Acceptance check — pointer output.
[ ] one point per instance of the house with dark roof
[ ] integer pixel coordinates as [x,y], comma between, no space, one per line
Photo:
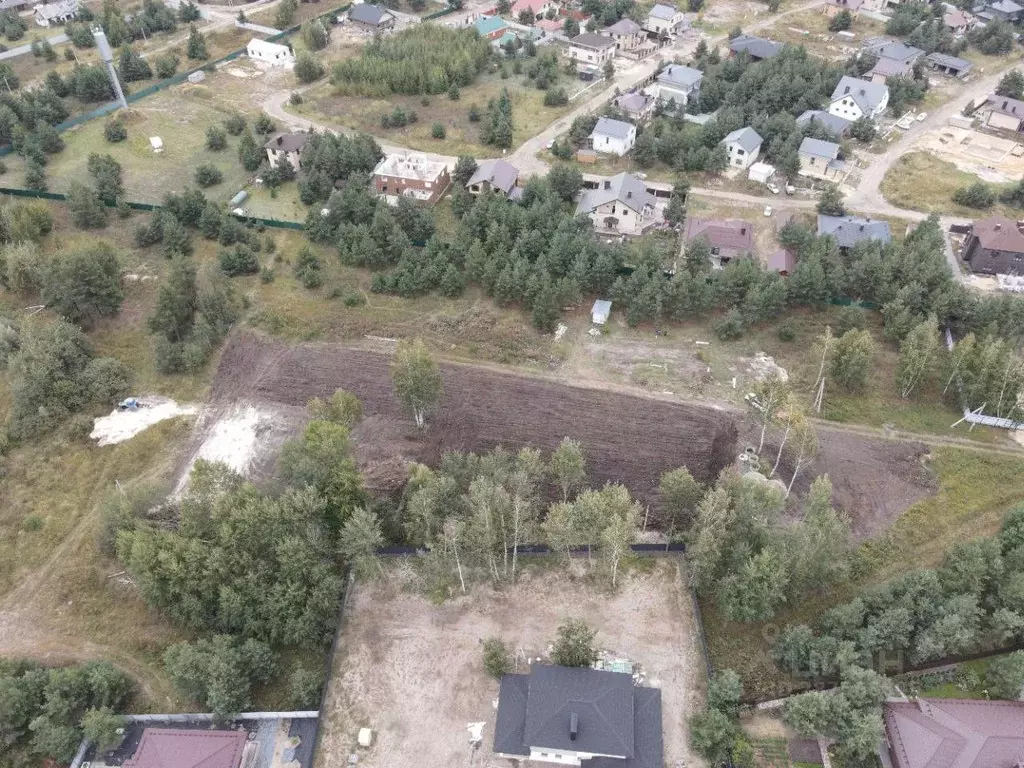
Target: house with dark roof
[839,126]
[850,230]
[495,176]
[728,239]
[954,733]
[743,146]
[665,20]
[1004,10]
[579,716]
[173,748]
[590,48]
[677,83]
[636,105]
[626,33]
[886,68]
[854,98]
[620,204]
[1005,113]
[756,47]
[52,14]
[286,148]
[957,21]
[945,64]
[995,246]
[375,18]
[884,48]
[613,137]
[782,261]
[819,159]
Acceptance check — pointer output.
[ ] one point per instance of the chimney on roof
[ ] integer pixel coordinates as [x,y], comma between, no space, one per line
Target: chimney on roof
[280,140]
[861,227]
[629,195]
[743,230]
[574,726]
[847,90]
[607,184]
[997,226]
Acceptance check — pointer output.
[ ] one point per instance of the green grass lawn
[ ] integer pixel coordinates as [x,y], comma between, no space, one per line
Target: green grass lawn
[975,491]
[921,181]
[529,115]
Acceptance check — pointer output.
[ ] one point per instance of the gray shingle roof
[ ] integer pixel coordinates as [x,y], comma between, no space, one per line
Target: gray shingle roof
[624,188]
[592,40]
[834,123]
[899,51]
[511,720]
[887,67]
[747,138]
[633,102]
[56,10]
[850,230]
[617,129]
[648,746]
[945,60]
[366,13]
[497,173]
[678,74]
[603,702]
[867,95]
[624,26]
[1007,106]
[663,11]
[819,148]
[1006,6]
[757,47]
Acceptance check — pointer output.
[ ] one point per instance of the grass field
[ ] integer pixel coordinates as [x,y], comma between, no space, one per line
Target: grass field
[975,491]
[529,115]
[810,29]
[921,181]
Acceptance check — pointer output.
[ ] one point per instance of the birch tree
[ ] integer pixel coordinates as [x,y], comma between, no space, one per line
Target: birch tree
[452,532]
[918,353]
[568,466]
[962,351]
[805,448]
[770,395]
[488,526]
[824,344]
[678,495]
[616,539]
[417,379]
[714,522]
[360,538]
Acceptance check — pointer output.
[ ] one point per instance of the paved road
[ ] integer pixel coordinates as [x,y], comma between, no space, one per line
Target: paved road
[21,50]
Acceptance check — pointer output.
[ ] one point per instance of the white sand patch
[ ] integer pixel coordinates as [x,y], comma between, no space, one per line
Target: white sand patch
[119,426]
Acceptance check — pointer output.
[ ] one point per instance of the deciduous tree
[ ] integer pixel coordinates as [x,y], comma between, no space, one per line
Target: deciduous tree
[417,379]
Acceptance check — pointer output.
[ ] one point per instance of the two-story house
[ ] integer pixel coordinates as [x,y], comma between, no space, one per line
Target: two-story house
[995,247]
[677,84]
[850,230]
[613,137]
[743,147]
[411,175]
[820,160]
[591,48]
[626,33]
[621,205]
[665,20]
[636,105]
[286,148]
[854,98]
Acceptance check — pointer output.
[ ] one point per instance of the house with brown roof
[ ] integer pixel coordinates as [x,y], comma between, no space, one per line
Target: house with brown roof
[955,733]
[832,8]
[174,748]
[411,175]
[957,21]
[728,239]
[995,247]
[286,148]
[1005,113]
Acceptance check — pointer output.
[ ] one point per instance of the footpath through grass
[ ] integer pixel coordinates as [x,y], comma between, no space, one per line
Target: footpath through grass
[975,491]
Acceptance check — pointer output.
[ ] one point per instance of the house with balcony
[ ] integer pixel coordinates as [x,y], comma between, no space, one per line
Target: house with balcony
[676,85]
[620,204]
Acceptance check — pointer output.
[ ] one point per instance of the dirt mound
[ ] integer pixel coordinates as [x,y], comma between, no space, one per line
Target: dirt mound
[628,439]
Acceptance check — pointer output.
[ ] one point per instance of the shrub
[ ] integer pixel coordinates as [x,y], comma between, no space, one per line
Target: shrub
[785,331]
[216,138]
[235,125]
[496,658]
[978,195]
[295,99]
[304,688]
[207,175]
[556,97]
[574,644]
[166,65]
[239,260]
[730,327]
[114,131]
[438,131]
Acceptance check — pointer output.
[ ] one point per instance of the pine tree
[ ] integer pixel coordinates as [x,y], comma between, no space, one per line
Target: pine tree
[196,48]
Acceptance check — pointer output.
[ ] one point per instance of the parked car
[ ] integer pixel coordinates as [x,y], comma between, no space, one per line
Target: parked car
[767,210]
[790,189]
[772,188]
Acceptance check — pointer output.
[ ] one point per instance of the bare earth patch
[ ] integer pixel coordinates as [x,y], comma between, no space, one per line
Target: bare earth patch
[413,671]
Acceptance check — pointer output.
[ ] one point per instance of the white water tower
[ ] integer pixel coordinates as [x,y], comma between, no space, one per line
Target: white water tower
[108,59]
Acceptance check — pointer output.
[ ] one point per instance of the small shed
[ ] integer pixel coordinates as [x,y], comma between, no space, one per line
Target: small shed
[761,172]
[238,199]
[196,77]
[156,143]
[600,312]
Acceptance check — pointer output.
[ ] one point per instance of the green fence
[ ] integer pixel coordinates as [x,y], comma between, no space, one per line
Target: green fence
[59,197]
[439,14]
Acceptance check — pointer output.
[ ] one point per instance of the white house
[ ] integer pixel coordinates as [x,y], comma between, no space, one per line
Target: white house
[49,14]
[665,20]
[271,54]
[743,146]
[854,98]
[613,137]
[620,204]
[591,48]
[677,83]
[286,148]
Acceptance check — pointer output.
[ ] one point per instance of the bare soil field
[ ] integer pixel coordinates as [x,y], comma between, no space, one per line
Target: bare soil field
[628,439]
[413,671]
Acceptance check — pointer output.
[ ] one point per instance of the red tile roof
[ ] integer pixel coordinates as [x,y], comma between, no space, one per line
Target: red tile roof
[174,748]
[955,733]
[999,233]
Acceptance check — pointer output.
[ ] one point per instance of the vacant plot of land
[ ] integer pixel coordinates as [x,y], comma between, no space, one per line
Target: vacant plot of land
[810,29]
[413,671]
[921,181]
[529,115]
